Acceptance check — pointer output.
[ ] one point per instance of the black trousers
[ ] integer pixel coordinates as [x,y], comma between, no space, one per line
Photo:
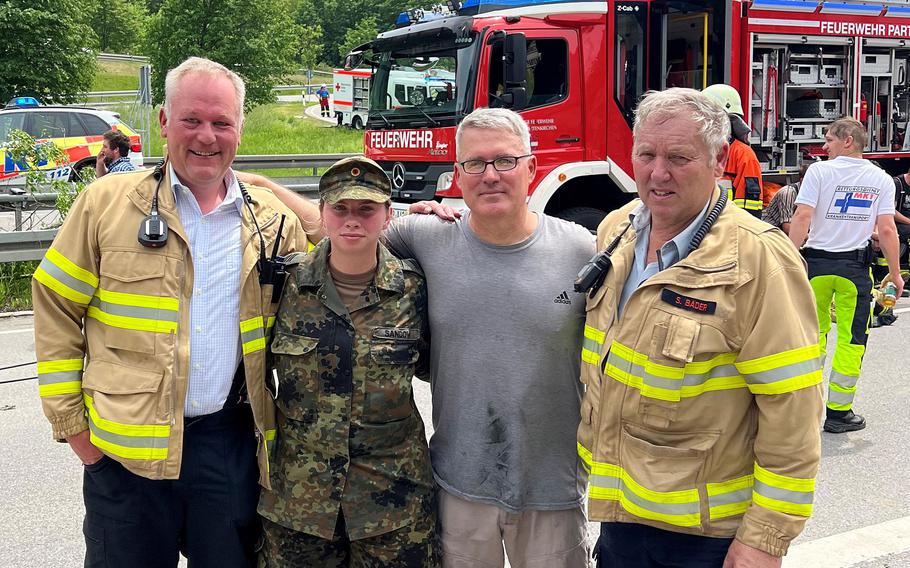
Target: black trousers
[208,514]
[627,545]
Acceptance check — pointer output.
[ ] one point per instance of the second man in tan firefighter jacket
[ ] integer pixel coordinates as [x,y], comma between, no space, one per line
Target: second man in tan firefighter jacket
[700,422]
[742,174]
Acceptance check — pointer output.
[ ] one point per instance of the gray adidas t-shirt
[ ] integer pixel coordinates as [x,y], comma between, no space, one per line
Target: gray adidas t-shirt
[506,330]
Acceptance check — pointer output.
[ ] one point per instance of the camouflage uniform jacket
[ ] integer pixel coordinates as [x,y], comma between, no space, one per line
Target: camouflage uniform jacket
[349,435]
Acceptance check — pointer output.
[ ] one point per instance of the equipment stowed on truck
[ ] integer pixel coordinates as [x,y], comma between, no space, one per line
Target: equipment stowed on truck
[576,70]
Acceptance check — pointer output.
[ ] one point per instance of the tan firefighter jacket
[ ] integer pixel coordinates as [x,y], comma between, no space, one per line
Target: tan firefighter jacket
[703,401]
[112,323]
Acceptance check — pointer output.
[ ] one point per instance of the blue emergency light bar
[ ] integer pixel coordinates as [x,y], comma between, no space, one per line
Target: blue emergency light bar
[23,102]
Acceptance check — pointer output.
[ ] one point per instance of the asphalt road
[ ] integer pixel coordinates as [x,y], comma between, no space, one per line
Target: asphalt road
[861,519]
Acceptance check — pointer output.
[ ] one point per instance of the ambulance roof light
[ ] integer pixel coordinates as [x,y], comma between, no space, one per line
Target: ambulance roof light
[23,102]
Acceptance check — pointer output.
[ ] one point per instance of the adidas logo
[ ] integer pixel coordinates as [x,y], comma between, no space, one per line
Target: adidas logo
[563,298]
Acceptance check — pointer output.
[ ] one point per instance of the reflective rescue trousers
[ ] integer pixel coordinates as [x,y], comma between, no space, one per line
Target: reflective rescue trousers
[112,321]
[703,401]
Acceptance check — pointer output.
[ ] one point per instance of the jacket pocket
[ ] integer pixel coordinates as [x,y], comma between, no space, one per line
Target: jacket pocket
[130,302]
[296,362]
[664,471]
[673,345]
[129,414]
[388,396]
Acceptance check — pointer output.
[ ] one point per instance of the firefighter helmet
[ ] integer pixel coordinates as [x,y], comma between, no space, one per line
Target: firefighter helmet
[727,96]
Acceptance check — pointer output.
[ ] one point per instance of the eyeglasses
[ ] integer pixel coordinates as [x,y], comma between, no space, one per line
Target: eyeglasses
[500,164]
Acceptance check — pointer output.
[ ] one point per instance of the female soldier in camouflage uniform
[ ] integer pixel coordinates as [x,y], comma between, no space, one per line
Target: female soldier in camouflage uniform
[350,471]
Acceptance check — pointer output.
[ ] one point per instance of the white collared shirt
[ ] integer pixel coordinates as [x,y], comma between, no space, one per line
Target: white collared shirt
[216,253]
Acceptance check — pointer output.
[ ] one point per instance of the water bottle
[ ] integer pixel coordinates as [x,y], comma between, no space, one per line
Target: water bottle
[889,298]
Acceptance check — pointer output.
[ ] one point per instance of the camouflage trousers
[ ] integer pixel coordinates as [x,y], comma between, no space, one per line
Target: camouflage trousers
[413,546]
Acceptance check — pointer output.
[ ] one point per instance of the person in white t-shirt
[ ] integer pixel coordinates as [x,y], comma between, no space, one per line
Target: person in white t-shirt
[840,203]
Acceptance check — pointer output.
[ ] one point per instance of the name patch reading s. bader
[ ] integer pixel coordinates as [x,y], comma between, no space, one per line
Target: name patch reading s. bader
[396,333]
[687,303]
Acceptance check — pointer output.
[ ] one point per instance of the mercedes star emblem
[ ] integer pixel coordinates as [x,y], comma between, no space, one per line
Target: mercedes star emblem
[398,175]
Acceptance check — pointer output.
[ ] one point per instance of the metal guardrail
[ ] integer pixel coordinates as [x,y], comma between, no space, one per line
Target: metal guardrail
[122,57]
[31,245]
[25,245]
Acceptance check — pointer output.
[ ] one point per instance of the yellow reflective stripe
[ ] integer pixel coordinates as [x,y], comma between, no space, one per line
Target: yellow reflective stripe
[71,268]
[79,288]
[783,481]
[781,506]
[140,312]
[138,300]
[131,441]
[270,323]
[55,389]
[776,360]
[783,372]
[252,335]
[592,345]
[611,482]
[753,204]
[595,334]
[729,498]
[59,365]
[126,322]
[792,495]
[663,382]
[61,376]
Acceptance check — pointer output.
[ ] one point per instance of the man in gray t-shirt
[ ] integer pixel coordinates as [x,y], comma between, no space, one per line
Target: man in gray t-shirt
[506,331]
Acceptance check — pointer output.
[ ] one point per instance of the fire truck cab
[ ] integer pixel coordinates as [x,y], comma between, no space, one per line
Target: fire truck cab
[576,70]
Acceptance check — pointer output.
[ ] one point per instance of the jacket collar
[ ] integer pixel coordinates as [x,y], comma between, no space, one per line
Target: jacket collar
[389,274]
[714,262]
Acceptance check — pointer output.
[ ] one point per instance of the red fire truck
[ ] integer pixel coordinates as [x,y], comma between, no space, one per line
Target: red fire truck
[575,71]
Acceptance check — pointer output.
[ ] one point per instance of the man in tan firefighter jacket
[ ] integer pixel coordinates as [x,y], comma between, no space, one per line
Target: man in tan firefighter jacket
[700,421]
[742,174]
[152,309]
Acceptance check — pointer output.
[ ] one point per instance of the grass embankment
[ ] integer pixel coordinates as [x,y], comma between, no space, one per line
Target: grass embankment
[15,285]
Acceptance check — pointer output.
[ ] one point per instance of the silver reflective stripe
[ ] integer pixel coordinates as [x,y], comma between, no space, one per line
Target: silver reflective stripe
[688,380]
[64,278]
[738,496]
[844,381]
[252,335]
[135,312]
[128,441]
[783,373]
[838,397]
[610,482]
[59,377]
[799,497]
[591,345]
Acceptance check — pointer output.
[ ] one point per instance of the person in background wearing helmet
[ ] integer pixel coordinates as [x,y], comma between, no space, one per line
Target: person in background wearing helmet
[323,94]
[742,174]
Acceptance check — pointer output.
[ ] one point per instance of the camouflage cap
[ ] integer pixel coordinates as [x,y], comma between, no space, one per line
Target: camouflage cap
[355,178]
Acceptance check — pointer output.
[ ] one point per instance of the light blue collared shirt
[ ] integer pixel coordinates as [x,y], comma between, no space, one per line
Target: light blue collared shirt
[669,254]
[216,253]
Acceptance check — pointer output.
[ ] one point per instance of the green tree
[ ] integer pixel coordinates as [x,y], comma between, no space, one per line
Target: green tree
[309,45]
[336,17]
[29,155]
[365,30]
[255,38]
[47,50]
[118,24]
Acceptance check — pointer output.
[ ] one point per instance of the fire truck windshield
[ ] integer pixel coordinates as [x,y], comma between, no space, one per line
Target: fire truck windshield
[421,83]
